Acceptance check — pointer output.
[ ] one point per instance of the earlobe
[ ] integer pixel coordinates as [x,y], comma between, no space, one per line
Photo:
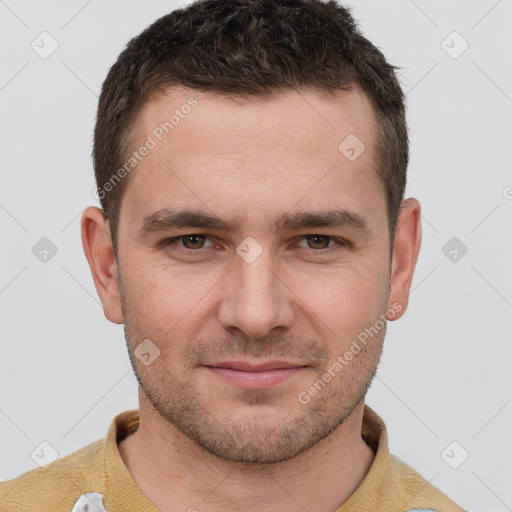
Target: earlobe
[405,254]
[97,244]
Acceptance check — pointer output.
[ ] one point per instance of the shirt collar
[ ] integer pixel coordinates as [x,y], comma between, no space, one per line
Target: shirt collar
[367,496]
[124,493]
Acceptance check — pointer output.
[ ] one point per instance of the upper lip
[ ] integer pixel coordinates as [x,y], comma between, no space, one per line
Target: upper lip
[255,367]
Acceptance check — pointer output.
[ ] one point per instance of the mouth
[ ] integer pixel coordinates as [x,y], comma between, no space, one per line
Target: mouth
[249,375]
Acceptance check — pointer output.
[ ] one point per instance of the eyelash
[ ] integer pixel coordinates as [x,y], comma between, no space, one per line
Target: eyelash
[340,242]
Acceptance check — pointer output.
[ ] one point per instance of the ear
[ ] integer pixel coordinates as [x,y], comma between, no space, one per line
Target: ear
[405,254]
[97,244]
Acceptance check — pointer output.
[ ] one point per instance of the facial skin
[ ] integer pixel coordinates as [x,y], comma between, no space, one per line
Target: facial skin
[303,300]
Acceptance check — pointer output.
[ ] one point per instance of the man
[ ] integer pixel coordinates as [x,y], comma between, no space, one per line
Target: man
[250,159]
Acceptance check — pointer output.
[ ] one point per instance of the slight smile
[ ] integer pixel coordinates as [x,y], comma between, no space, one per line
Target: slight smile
[249,375]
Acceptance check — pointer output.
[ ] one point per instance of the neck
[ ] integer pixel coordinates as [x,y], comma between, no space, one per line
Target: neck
[177,474]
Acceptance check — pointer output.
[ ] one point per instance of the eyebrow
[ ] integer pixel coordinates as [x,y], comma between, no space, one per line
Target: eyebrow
[168,219]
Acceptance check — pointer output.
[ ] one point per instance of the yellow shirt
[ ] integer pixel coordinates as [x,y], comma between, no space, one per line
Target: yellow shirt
[389,486]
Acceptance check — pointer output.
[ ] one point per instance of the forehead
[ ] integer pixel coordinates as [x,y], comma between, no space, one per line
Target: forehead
[208,147]
[310,112]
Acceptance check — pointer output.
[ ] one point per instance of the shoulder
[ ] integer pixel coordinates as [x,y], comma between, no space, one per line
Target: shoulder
[422,496]
[56,484]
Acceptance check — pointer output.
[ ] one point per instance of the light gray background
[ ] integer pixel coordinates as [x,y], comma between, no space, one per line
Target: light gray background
[445,373]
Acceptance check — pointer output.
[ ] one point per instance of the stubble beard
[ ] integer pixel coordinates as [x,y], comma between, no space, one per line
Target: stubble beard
[259,437]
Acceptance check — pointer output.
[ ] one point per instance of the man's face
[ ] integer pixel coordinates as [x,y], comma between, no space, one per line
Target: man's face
[219,304]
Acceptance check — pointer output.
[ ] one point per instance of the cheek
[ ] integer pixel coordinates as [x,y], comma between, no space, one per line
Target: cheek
[343,304]
[165,302]
[163,289]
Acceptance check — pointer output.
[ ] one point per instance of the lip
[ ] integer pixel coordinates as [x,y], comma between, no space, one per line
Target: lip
[249,375]
[255,367]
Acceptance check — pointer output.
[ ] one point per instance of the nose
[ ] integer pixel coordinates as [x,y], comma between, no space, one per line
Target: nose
[256,297]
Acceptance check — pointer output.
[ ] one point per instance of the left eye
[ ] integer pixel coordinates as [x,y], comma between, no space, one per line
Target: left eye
[194,242]
[314,239]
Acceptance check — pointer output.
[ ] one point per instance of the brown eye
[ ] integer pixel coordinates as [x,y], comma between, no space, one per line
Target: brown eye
[318,241]
[186,243]
[193,241]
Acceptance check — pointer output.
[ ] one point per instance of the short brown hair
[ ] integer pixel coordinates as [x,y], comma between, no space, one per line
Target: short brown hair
[248,48]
